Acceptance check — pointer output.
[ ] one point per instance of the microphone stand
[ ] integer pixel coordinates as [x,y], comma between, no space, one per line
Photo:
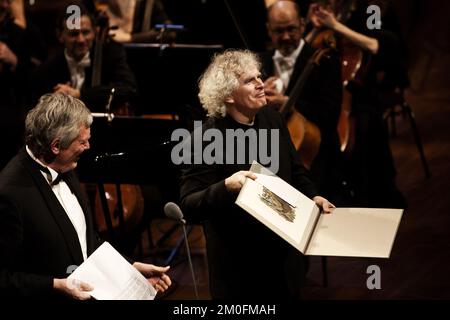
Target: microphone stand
[183,224]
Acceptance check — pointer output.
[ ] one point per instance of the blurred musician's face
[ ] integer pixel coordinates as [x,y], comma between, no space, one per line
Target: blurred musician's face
[78,42]
[4,8]
[285,30]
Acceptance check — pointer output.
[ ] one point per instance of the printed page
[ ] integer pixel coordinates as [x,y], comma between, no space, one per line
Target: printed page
[113,277]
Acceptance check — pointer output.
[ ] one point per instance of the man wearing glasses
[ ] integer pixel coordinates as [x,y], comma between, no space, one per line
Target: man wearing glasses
[321,97]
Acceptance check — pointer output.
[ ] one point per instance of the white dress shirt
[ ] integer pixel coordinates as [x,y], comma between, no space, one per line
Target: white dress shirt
[68,201]
[76,69]
[284,65]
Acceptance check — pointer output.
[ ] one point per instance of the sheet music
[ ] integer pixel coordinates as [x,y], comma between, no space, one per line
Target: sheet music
[113,277]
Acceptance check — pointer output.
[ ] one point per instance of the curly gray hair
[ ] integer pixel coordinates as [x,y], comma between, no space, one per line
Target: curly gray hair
[56,116]
[221,78]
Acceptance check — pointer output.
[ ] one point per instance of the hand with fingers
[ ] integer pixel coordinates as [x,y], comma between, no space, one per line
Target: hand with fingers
[323,203]
[7,56]
[273,87]
[75,289]
[322,16]
[235,182]
[155,275]
[67,89]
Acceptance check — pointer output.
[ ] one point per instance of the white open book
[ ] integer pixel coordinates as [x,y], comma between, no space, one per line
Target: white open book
[112,277]
[351,232]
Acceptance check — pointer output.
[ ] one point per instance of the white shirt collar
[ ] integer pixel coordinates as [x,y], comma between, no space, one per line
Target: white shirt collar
[284,65]
[84,62]
[293,56]
[53,172]
[76,69]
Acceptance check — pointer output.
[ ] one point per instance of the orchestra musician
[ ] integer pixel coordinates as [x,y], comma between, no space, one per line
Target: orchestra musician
[72,69]
[371,165]
[320,99]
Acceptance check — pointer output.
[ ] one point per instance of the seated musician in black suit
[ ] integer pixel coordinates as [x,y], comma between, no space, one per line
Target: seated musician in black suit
[319,101]
[45,221]
[72,69]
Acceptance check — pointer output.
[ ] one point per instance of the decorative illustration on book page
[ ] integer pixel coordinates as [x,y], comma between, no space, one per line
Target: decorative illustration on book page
[276,203]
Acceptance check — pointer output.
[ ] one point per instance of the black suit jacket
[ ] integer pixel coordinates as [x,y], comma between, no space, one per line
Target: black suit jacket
[115,74]
[37,240]
[246,259]
[321,98]
[319,102]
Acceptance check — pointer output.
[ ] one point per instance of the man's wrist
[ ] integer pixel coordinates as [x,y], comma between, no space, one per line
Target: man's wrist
[57,283]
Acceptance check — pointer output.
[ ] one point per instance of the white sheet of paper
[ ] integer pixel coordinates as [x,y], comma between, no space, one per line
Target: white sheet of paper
[355,232]
[113,277]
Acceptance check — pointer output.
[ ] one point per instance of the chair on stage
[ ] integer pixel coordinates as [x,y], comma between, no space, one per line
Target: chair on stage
[398,106]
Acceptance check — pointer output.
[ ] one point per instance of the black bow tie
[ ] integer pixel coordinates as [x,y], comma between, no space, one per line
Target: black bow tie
[61,176]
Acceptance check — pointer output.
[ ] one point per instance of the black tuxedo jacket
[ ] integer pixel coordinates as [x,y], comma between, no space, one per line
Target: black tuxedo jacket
[321,98]
[115,74]
[37,240]
[246,260]
[319,102]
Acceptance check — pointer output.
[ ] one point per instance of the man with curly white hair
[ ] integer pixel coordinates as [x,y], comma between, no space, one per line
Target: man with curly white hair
[232,93]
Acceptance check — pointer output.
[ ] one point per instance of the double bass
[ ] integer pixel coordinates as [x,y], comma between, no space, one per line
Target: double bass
[116,205]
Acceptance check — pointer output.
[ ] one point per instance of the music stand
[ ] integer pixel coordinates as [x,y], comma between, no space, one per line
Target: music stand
[129,150]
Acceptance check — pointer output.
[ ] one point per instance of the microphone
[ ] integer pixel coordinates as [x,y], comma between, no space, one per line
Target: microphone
[173,211]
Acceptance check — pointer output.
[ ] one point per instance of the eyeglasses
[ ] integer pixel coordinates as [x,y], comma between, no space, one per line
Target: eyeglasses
[290,30]
[76,32]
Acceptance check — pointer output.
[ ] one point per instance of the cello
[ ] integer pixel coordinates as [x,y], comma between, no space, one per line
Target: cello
[305,135]
[116,205]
